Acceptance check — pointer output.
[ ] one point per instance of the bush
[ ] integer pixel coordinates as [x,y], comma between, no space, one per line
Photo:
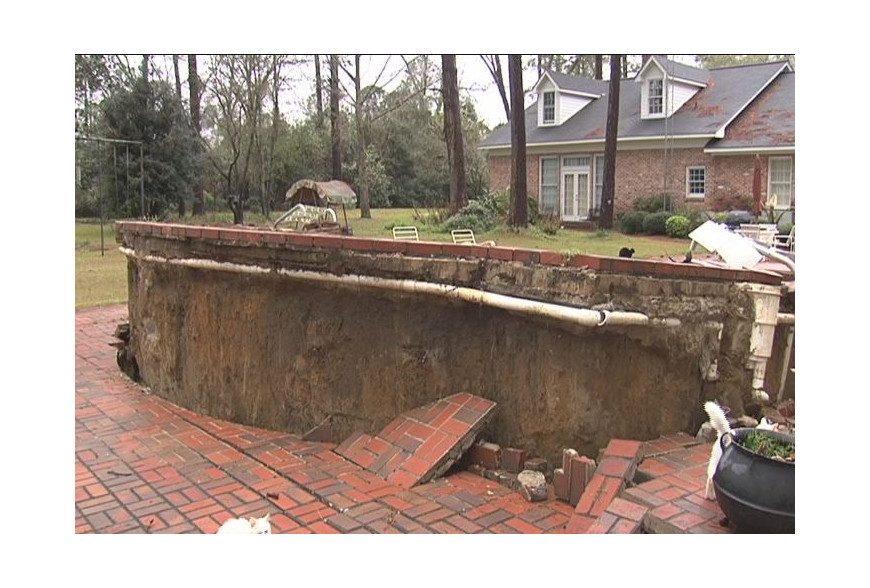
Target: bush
[654,223]
[549,224]
[656,203]
[677,226]
[475,216]
[631,223]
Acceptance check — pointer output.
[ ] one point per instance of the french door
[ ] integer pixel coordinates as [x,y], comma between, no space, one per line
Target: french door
[575,195]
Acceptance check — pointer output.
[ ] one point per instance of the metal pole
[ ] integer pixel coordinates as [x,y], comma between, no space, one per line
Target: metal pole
[127,183]
[115,169]
[102,238]
[142,180]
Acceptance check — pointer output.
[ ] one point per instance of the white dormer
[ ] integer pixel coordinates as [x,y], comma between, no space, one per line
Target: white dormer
[665,87]
[557,104]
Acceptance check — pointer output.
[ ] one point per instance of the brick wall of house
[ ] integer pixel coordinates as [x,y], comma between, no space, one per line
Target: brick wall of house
[500,174]
[639,173]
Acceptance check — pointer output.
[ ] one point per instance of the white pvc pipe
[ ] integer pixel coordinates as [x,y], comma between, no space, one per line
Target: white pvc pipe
[784,318]
[580,316]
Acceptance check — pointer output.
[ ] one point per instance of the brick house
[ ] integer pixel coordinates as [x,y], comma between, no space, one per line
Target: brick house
[695,134]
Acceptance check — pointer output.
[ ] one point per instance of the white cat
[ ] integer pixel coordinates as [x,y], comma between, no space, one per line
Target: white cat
[720,423]
[250,526]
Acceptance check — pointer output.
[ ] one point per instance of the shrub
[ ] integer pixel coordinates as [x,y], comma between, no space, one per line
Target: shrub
[475,216]
[656,203]
[549,224]
[654,223]
[677,226]
[631,222]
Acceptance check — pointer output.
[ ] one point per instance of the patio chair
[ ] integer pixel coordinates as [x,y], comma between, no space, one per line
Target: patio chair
[764,234]
[785,242]
[405,234]
[466,237]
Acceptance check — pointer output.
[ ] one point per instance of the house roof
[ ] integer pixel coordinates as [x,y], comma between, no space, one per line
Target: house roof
[681,70]
[577,84]
[729,91]
[767,123]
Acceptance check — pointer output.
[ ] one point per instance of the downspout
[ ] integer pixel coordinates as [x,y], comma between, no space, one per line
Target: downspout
[569,314]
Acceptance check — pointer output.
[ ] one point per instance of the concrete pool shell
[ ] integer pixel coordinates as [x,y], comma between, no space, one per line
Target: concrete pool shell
[225,321]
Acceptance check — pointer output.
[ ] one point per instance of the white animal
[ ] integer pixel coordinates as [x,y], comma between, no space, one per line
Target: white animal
[720,423]
[766,425]
[250,526]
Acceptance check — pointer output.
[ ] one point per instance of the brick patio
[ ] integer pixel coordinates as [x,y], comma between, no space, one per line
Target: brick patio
[144,465]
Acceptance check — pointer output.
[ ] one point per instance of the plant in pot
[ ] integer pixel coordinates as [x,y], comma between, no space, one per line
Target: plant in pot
[754,480]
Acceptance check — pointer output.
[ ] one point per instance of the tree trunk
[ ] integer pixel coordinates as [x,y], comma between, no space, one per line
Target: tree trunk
[608,188]
[196,126]
[453,132]
[599,67]
[318,86]
[334,117]
[363,179]
[182,205]
[519,194]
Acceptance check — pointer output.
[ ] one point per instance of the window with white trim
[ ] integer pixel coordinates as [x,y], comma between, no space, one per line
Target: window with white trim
[779,182]
[550,185]
[549,107]
[696,181]
[599,181]
[656,96]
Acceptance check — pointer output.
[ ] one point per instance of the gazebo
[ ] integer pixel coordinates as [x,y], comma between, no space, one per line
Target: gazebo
[312,205]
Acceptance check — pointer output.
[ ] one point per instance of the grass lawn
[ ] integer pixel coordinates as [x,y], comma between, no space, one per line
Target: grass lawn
[102,280]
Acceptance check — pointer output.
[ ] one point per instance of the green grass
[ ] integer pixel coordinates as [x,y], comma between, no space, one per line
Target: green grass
[102,280]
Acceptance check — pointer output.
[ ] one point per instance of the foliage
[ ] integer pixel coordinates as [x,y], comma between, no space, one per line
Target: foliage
[677,226]
[711,61]
[763,444]
[654,223]
[148,112]
[549,224]
[656,203]
[475,215]
[631,222]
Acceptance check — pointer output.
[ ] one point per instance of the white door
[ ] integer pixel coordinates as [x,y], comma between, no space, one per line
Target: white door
[575,195]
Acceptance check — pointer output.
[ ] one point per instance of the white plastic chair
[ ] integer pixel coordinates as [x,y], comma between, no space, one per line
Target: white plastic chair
[405,234]
[466,237]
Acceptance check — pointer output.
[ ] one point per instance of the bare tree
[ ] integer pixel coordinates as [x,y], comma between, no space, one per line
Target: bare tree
[453,132]
[493,64]
[361,97]
[612,126]
[240,84]
[519,194]
[599,67]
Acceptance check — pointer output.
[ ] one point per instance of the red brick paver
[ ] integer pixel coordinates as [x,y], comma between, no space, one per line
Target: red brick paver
[145,465]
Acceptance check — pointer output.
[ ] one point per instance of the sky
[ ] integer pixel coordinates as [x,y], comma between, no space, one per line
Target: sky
[474,80]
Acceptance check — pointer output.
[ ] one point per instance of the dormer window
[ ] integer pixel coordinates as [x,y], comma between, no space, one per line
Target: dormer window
[656,102]
[549,108]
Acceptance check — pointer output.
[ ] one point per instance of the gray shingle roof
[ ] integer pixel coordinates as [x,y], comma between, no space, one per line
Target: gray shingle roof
[768,122]
[728,92]
[683,71]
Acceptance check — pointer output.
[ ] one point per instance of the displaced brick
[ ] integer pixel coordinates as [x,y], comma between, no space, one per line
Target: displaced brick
[513,460]
[485,454]
[561,485]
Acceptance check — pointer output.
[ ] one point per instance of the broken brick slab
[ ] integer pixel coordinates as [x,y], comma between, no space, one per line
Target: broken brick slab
[423,443]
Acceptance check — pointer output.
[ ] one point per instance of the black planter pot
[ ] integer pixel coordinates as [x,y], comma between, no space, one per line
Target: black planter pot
[756,493]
